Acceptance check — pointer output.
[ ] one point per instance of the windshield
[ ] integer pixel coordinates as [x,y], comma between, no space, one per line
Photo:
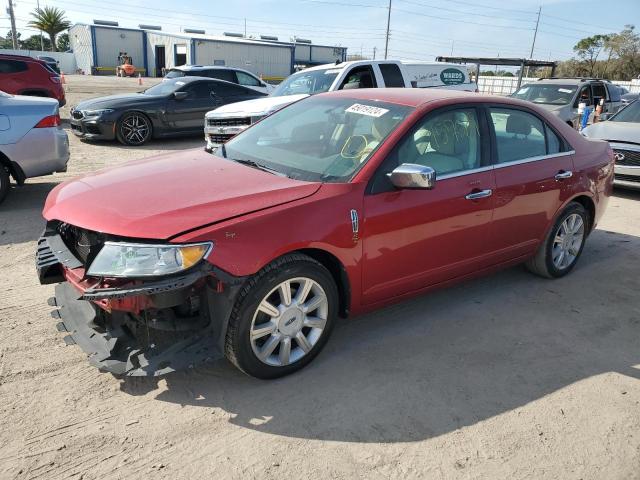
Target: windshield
[307,82]
[318,139]
[164,88]
[174,74]
[631,113]
[546,93]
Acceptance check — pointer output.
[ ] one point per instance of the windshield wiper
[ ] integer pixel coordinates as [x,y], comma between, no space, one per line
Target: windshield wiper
[259,166]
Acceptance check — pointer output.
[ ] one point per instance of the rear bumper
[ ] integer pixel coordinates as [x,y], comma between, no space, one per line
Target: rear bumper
[41,151]
[93,129]
[138,328]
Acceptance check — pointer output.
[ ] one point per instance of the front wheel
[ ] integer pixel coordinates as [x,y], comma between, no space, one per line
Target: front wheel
[282,318]
[559,252]
[133,129]
[5,184]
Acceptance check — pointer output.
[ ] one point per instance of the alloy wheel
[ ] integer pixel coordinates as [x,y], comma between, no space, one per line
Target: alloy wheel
[135,129]
[289,321]
[568,241]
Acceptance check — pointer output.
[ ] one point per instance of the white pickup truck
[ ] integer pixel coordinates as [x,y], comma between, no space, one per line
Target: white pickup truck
[223,123]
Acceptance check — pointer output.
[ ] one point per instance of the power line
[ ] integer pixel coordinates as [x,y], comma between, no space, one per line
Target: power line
[421,4]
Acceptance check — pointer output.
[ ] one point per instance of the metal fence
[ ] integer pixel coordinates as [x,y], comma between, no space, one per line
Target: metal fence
[507,85]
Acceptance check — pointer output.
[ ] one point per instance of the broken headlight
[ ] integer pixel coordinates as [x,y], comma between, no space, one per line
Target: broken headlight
[121,259]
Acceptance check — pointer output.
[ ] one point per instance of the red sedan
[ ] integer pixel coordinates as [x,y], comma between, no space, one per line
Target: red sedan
[338,204]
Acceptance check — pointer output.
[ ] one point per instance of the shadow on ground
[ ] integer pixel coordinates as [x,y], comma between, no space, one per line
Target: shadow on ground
[445,360]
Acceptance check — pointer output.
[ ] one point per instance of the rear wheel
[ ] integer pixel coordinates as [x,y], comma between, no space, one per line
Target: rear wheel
[560,251]
[282,318]
[5,184]
[133,129]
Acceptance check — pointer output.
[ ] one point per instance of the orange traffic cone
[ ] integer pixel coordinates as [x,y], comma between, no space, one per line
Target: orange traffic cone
[62,79]
[139,79]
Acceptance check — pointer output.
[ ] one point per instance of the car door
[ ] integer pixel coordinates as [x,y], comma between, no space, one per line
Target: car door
[14,75]
[532,165]
[187,114]
[416,238]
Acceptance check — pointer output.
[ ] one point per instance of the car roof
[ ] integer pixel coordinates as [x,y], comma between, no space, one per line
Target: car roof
[415,97]
[411,97]
[197,79]
[23,58]
[203,67]
[566,81]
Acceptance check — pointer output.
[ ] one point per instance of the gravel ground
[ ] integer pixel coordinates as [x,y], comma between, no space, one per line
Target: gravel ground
[510,376]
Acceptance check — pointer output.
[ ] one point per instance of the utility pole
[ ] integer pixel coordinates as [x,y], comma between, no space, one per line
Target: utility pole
[245,28]
[374,53]
[41,39]
[535,34]
[14,32]
[452,42]
[386,42]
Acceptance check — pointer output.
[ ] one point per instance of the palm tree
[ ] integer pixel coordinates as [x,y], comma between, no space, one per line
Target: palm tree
[51,21]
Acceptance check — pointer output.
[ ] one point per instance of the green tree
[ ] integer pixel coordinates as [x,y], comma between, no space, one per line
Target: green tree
[7,42]
[63,42]
[626,47]
[33,43]
[51,21]
[588,49]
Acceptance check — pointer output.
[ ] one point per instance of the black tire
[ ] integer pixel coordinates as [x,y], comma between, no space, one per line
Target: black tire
[543,262]
[134,129]
[5,183]
[238,345]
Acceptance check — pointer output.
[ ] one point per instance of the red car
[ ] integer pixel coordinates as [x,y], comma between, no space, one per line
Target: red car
[336,205]
[22,75]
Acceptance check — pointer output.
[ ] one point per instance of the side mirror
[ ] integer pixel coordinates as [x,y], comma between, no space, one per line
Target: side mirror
[410,175]
[180,95]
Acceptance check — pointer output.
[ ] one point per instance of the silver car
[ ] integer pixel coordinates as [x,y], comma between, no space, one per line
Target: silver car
[622,130]
[32,142]
[562,96]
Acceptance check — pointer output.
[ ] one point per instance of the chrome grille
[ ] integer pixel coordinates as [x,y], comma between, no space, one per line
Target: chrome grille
[220,138]
[629,157]
[228,122]
[627,178]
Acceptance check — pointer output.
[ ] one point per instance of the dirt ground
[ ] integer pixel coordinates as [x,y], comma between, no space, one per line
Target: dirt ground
[507,377]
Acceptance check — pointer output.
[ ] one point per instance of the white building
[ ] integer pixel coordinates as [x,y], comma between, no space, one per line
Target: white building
[97,47]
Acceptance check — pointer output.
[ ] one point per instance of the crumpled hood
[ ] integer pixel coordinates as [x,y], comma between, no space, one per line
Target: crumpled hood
[614,131]
[160,197]
[259,106]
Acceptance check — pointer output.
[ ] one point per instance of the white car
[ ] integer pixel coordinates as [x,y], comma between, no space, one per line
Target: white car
[224,122]
[32,142]
[230,74]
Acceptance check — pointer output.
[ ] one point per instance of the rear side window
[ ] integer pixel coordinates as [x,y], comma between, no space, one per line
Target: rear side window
[175,74]
[226,75]
[13,66]
[599,92]
[391,74]
[519,134]
[614,93]
[226,90]
[199,89]
[247,80]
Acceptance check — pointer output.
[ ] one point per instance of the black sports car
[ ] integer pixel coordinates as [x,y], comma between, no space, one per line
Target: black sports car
[172,108]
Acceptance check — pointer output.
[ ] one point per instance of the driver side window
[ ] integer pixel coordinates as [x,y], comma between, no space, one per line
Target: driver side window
[359,77]
[449,142]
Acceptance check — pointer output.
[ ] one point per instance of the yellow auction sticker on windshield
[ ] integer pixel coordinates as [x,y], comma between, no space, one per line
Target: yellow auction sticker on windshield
[366,110]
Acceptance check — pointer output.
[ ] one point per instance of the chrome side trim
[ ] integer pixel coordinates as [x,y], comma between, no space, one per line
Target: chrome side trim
[504,165]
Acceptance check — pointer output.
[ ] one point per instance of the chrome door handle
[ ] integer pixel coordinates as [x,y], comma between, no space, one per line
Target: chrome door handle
[562,175]
[479,195]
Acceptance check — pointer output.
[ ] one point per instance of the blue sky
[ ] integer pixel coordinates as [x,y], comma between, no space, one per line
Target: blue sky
[420,29]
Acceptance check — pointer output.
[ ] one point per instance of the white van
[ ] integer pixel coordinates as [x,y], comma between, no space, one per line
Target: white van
[223,123]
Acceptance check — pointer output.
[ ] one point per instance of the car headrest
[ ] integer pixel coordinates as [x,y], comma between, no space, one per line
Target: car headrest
[518,124]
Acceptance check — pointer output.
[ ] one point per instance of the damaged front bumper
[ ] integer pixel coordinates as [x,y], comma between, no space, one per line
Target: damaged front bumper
[138,328]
